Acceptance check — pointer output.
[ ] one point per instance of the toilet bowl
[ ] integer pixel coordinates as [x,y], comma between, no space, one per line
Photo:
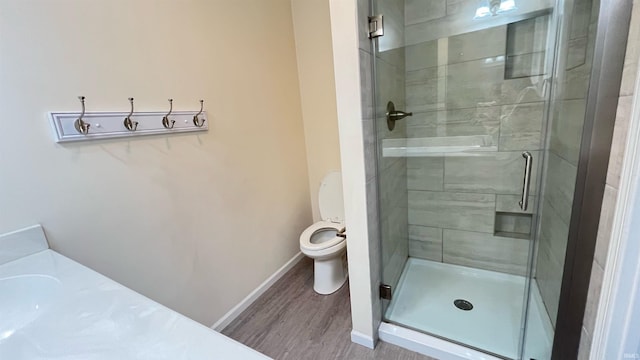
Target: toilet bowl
[322,241]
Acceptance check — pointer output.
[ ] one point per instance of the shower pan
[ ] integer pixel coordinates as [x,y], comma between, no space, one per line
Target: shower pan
[479,108]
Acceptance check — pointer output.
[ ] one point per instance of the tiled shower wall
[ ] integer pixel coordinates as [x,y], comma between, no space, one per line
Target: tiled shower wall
[485,86]
[567,119]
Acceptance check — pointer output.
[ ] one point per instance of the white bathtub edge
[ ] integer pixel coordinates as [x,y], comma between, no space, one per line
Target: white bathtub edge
[428,345]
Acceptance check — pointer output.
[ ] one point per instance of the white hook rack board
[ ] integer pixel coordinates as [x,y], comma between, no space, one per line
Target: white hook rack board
[108,125]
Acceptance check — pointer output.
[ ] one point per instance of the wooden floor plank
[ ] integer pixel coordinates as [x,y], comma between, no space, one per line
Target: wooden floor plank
[291,321]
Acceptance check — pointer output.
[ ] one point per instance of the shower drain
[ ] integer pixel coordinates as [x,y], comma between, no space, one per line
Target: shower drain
[463,304]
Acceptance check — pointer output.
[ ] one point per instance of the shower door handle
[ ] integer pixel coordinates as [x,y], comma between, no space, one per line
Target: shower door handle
[528,161]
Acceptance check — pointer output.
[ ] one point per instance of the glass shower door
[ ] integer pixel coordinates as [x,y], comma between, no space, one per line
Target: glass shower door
[461,117]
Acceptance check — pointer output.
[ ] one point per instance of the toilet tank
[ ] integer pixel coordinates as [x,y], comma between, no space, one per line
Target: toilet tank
[330,199]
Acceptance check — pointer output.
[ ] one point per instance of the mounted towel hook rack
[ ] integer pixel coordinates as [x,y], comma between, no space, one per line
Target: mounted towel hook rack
[165,119]
[197,121]
[81,126]
[128,123]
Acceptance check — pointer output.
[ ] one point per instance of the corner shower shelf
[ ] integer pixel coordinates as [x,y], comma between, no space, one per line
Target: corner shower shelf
[437,146]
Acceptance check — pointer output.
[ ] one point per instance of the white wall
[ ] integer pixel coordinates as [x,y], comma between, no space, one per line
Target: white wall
[347,76]
[193,221]
[312,27]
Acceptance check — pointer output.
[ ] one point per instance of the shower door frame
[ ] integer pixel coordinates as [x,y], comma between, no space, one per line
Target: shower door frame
[602,101]
[550,64]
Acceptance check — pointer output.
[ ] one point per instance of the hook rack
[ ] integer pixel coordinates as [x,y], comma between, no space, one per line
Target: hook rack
[165,119]
[196,121]
[81,126]
[128,123]
[74,126]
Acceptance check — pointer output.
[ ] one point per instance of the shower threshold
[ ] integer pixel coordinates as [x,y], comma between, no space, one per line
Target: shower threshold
[424,301]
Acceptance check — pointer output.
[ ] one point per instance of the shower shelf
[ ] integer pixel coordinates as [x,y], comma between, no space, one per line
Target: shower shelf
[437,146]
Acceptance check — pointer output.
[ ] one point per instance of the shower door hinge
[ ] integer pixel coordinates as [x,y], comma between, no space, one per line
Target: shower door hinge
[376,27]
[385,291]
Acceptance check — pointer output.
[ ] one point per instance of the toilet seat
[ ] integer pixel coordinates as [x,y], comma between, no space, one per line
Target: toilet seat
[324,248]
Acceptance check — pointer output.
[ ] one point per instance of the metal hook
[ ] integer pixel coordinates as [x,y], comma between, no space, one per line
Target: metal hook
[81,126]
[128,123]
[165,119]
[196,121]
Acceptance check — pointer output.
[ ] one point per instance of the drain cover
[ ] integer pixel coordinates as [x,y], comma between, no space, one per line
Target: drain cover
[463,304]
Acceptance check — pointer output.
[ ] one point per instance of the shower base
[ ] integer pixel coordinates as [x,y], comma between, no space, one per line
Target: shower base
[424,301]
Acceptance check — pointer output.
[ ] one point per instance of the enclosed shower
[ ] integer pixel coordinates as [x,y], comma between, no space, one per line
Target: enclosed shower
[479,108]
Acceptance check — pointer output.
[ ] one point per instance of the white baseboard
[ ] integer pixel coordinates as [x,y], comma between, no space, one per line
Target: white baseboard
[362,339]
[227,318]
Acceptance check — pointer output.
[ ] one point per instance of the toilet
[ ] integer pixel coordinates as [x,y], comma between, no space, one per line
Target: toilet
[321,241]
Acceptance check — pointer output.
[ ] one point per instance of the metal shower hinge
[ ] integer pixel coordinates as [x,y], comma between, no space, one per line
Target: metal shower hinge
[385,291]
[376,26]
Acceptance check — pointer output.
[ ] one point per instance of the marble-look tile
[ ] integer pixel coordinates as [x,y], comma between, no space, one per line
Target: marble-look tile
[554,232]
[393,232]
[474,83]
[391,273]
[425,242]
[487,43]
[480,120]
[575,81]
[580,18]
[488,172]
[550,258]
[584,348]
[619,141]
[527,36]
[513,223]
[462,211]
[593,297]
[364,43]
[510,203]
[521,126]
[566,129]
[422,88]
[421,56]
[370,154]
[395,57]
[459,6]
[629,73]
[606,225]
[632,55]
[524,65]
[485,251]
[425,173]
[522,90]
[416,11]
[393,184]
[394,27]
[549,278]
[366,84]
[389,85]
[577,52]
[560,185]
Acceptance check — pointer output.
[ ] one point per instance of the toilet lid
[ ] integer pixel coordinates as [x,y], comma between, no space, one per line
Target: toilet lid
[330,199]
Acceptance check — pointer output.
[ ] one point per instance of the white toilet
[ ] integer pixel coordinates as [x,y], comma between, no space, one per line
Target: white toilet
[322,242]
